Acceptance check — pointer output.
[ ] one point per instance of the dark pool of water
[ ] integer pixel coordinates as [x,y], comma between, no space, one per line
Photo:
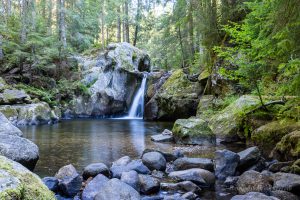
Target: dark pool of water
[85,141]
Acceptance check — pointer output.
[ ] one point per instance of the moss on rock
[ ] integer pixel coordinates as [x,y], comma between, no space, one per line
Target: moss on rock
[268,135]
[193,131]
[27,186]
[289,147]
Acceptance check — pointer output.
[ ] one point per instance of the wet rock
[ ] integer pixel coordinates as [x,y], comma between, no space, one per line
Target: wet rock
[135,165]
[182,187]
[19,149]
[189,196]
[51,183]
[277,166]
[167,132]
[287,182]
[94,169]
[20,183]
[122,161]
[116,189]
[149,184]
[231,181]
[154,160]
[169,156]
[252,181]
[131,178]
[162,138]
[193,131]
[226,163]
[6,127]
[248,158]
[174,197]
[69,181]
[284,195]
[254,196]
[93,187]
[288,148]
[188,163]
[196,175]
[158,174]
[155,197]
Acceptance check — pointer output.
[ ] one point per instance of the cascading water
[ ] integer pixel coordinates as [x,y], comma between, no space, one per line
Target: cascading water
[137,108]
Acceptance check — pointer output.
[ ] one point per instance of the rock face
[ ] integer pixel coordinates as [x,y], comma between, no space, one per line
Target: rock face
[19,149]
[17,182]
[112,80]
[288,148]
[116,189]
[7,128]
[226,163]
[252,181]
[271,133]
[226,123]
[188,163]
[154,160]
[193,131]
[177,98]
[29,114]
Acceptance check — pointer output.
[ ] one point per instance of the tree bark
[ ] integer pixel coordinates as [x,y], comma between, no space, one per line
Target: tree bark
[181,46]
[49,18]
[119,32]
[137,21]
[1,50]
[102,26]
[24,10]
[61,24]
[191,28]
[127,39]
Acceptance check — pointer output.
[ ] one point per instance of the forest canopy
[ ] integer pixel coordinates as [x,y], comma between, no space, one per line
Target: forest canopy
[253,42]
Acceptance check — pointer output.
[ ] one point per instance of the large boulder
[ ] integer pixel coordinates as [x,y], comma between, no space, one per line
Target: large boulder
[252,181]
[193,131]
[154,160]
[13,96]
[112,78]
[6,127]
[93,187]
[148,184]
[287,182]
[19,149]
[94,169]
[248,158]
[268,135]
[188,163]
[177,98]
[288,148]
[131,178]
[226,163]
[226,123]
[116,189]
[17,182]
[29,114]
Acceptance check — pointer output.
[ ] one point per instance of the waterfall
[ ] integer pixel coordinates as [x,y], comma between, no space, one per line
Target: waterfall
[137,107]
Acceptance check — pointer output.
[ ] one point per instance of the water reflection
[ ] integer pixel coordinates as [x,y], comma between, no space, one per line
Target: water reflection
[83,141]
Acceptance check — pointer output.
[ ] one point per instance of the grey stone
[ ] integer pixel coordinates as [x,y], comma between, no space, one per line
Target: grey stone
[162,138]
[226,163]
[116,189]
[135,165]
[19,149]
[182,187]
[188,163]
[6,127]
[148,184]
[93,187]
[284,195]
[94,169]
[248,157]
[131,178]
[51,183]
[287,181]
[253,196]
[154,160]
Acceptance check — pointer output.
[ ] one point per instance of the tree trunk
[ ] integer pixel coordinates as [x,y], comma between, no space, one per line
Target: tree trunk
[61,24]
[119,32]
[137,21]
[191,28]
[181,46]
[126,22]
[24,7]
[1,50]
[49,18]
[107,36]
[102,26]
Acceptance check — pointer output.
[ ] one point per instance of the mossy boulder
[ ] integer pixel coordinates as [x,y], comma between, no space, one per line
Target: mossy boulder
[226,123]
[17,182]
[193,131]
[177,98]
[288,148]
[268,135]
[28,114]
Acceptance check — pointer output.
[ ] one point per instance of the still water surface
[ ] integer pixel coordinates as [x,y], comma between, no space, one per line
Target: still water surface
[85,141]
